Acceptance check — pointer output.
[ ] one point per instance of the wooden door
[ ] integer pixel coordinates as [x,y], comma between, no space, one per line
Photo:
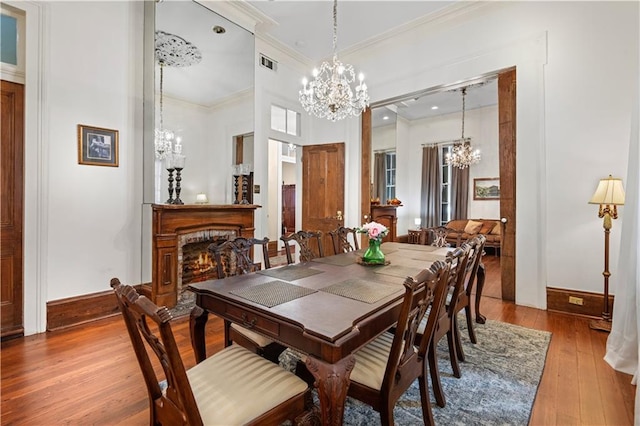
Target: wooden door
[507,153]
[11,208]
[288,208]
[322,189]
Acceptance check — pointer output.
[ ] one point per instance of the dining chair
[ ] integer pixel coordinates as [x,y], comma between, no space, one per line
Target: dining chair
[232,387]
[457,261]
[340,240]
[233,257]
[386,367]
[438,236]
[304,240]
[461,299]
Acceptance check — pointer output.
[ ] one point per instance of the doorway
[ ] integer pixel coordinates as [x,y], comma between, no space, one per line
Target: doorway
[507,165]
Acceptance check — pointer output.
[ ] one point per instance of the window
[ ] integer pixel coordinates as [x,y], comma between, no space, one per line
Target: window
[285,120]
[446,187]
[9,40]
[390,173]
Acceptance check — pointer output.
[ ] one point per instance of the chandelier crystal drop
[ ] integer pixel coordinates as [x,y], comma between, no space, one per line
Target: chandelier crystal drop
[330,95]
[462,155]
[171,51]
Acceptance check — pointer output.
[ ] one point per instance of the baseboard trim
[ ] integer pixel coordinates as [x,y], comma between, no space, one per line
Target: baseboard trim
[78,310]
[558,301]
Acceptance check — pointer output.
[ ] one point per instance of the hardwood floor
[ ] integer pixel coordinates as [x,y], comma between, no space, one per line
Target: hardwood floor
[89,374]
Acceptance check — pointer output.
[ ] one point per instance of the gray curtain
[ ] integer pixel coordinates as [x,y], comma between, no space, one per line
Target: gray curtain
[431,196]
[380,177]
[459,192]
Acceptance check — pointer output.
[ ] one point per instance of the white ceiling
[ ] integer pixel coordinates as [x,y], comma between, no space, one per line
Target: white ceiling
[306,27]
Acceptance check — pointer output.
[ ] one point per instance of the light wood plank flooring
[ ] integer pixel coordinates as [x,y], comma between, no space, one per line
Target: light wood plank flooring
[88,375]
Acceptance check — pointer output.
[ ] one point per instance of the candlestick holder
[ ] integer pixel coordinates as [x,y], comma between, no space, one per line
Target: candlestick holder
[178,163]
[168,164]
[236,182]
[245,170]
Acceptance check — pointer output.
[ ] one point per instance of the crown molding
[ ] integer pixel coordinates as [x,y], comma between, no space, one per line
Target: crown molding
[446,14]
[241,13]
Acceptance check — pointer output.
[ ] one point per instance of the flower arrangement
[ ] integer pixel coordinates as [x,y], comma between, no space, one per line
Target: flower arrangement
[374,230]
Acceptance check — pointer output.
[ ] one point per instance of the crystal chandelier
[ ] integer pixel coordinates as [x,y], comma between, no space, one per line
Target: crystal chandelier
[462,155]
[171,51]
[329,95]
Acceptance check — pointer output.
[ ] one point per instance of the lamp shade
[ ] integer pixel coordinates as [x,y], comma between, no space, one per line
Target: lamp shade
[609,191]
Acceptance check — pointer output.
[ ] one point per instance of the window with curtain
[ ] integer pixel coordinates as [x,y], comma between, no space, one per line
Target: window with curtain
[445,204]
[390,173]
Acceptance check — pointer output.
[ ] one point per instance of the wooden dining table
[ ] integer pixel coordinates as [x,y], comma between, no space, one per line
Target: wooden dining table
[327,309]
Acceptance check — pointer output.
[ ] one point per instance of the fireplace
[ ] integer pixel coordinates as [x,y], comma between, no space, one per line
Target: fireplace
[181,235]
[195,263]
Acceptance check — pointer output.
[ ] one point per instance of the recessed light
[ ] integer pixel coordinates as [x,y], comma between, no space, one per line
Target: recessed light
[386,117]
[218,29]
[434,107]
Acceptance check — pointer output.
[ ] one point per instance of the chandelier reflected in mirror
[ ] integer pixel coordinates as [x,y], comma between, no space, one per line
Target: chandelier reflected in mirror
[171,51]
[462,155]
[330,95]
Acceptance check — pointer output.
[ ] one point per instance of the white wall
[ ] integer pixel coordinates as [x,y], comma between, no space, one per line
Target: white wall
[92,77]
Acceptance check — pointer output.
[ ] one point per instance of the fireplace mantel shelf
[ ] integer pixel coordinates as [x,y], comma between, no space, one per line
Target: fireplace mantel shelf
[206,206]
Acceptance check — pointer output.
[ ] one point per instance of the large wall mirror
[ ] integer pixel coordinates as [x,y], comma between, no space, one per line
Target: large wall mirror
[199,98]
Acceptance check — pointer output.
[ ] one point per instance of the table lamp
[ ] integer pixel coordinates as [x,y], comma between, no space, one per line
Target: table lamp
[608,195]
[417,221]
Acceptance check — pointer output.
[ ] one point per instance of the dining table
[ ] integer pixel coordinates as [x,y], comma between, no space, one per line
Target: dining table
[326,309]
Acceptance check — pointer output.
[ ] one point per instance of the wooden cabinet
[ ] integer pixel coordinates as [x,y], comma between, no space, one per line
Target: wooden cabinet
[386,215]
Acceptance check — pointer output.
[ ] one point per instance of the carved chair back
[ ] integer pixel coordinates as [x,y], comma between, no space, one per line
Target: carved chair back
[340,239]
[309,242]
[177,404]
[438,236]
[234,257]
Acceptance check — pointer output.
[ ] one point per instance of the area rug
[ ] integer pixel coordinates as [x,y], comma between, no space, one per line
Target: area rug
[500,378]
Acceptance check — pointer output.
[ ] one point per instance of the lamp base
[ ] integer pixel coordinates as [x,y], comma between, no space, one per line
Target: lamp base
[601,325]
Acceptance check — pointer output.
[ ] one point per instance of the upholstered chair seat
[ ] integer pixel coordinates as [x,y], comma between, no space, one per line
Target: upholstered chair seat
[242,384]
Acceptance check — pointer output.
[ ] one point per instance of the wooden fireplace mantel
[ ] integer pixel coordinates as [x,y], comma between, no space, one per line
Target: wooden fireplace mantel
[171,221]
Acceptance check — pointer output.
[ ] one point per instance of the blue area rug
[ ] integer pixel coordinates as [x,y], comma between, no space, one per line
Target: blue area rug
[500,378]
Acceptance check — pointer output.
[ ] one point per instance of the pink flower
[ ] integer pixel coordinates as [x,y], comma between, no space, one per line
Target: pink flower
[374,230]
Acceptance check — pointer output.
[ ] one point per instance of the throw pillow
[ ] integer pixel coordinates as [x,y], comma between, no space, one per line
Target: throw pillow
[487,227]
[497,230]
[472,227]
[456,225]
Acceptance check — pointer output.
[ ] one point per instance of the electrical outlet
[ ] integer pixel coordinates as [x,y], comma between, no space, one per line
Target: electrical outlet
[576,300]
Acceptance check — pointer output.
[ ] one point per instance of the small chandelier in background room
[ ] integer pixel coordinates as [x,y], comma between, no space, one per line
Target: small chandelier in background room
[462,155]
[329,95]
[171,51]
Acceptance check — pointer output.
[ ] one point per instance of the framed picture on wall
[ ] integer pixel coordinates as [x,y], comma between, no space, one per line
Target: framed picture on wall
[486,188]
[97,146]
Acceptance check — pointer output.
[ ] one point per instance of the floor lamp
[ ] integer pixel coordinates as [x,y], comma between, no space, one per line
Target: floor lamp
[608,195]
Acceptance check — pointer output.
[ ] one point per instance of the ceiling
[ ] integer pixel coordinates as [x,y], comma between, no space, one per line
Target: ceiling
[303,26]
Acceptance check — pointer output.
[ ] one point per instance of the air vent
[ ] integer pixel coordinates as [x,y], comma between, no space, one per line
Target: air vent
[268,63]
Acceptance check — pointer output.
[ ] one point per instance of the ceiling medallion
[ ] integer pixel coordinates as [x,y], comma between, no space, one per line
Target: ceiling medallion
[329,95]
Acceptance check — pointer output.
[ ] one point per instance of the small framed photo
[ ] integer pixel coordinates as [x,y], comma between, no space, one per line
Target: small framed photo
[97,146]
[486,189]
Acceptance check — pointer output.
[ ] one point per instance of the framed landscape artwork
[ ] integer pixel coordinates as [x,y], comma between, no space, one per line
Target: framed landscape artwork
[97,146]
[486,189]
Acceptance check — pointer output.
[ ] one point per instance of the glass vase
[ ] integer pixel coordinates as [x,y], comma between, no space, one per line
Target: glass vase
[373,255]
